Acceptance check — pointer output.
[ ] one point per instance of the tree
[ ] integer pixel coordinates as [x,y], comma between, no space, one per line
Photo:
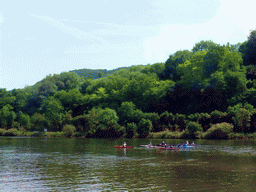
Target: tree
[242,114]
[69,130]
[173,61]
[144,127]
[203,46]
[125,112]
[251,51]
[53,110]
[6,98]
[24,120]
[7,116]
[233,48]
[69,99]
[71,80]
[38,122]
[243,50]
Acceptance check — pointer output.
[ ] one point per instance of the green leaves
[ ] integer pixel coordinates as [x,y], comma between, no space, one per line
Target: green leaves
[203,46]
[144,127]
[242,114]
[172,63]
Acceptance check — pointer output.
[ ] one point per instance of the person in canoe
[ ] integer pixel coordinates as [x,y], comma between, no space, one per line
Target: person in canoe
[163,144]
[186,144]
[192,144]
[150,144]
[124,144]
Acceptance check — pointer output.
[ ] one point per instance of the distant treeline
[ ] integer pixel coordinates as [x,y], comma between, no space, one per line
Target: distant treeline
[187,94]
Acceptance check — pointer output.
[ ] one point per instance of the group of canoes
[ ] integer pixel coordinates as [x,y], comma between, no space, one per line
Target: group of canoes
[162,145]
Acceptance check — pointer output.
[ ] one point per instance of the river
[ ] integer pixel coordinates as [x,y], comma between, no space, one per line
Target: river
[77,164]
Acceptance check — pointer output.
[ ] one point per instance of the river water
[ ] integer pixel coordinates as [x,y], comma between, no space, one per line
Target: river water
[61,164]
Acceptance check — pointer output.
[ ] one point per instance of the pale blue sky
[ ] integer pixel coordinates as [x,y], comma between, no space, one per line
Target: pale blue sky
[38,38]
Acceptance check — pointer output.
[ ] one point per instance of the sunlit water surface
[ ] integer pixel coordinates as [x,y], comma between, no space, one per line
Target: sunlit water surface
[60,164]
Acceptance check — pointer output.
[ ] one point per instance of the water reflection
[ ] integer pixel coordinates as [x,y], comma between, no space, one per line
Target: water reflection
[33,164]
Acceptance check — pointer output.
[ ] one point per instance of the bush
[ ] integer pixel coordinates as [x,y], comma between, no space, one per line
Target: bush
[131,130]
[2,131]
[219,131]
[144,127]
[11,132]
[69,130]
[54,134]
[193,130]
[33,134]
[16,125]
[166,135]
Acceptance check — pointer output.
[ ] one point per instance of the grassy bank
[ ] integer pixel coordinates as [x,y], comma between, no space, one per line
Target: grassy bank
[183,135]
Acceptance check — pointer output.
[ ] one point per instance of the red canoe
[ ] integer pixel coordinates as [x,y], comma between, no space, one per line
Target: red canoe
[124,147]
[168,148]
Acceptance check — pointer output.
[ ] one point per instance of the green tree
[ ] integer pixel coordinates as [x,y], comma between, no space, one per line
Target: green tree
[24,120]
[53,110]
[128,114]
[144,127]
[7,116]
[203,46]
[251,51]
[69,130]
[6,98]
[38,122]
[242,114]
[71,80]
[173,61]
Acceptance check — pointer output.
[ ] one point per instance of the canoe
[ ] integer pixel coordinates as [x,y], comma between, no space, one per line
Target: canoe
[186,146]
[168,148]
[129,147]
[146,146]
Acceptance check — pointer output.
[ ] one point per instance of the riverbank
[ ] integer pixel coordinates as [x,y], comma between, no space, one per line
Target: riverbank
[157,135]
[184,135]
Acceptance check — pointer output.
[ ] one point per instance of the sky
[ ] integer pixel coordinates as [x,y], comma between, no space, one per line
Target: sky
[39,38]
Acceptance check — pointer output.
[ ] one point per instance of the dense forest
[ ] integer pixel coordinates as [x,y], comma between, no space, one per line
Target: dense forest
[190,95]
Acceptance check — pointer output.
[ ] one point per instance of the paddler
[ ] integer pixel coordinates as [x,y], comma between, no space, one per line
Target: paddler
[193,144]
[186,144]
[163,144]
[124,144]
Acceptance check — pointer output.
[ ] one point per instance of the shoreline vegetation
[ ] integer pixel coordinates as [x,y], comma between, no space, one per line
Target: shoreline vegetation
[206,93]
[158,135]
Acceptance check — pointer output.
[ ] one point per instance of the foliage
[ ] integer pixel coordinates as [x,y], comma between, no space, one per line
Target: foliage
[172,63]
[54,134]
[7,116]
[219,131]
[128,114]
[38,122]
[203,46]
[250,56]
[131,129]
[193,129]
[242,114]
[210,77]
[144,127]
[69,130]
[12,132]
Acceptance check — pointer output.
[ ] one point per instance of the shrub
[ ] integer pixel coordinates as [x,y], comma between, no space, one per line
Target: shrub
[16,125]
[69,130]
[11,132]
[144,127]
[219,131]
[130,130]
[33,134]
[2,131]
[166,135]
[193,130]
